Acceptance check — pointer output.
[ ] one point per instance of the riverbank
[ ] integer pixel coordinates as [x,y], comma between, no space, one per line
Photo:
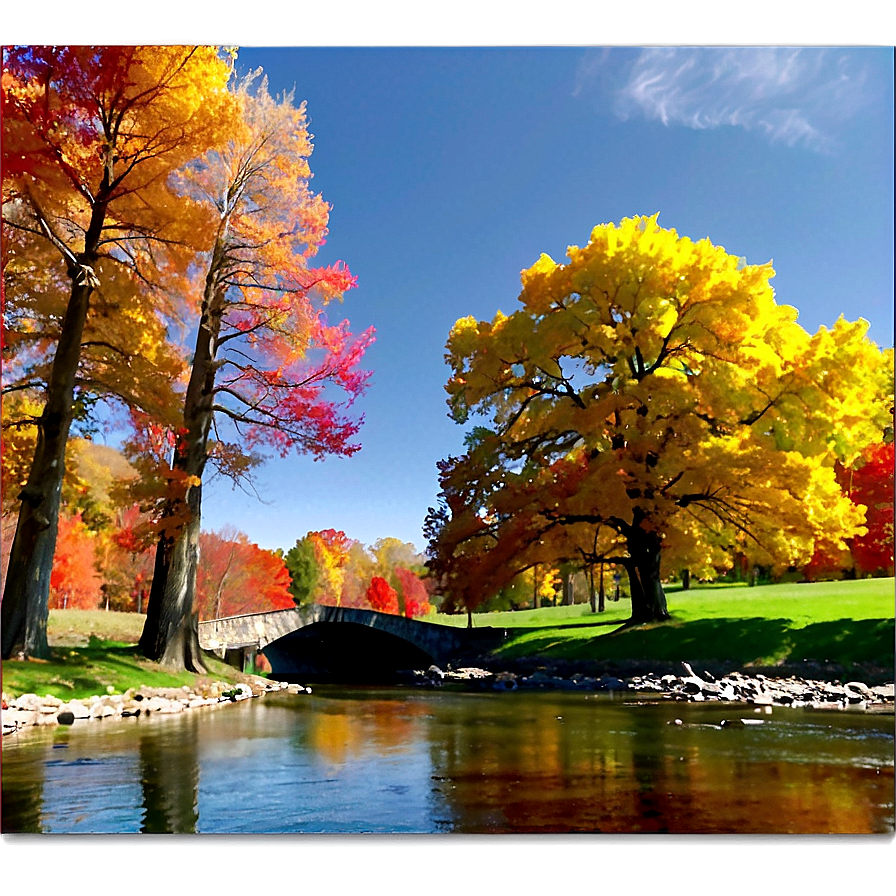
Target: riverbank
[755,690]
[30,710]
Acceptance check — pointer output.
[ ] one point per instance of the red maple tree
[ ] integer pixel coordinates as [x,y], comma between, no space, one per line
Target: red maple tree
[236,576]
[414,593]
[382,596]
[868,482]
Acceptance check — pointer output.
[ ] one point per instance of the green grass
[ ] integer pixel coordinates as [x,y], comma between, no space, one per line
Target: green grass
[837,622]
[74,628]
[106,657]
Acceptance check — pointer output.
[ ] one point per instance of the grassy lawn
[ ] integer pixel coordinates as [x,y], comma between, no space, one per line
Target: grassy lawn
[837,622]
[105,657]
[74,628]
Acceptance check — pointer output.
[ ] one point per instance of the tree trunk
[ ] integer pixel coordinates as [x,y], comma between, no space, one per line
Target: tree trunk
[591,595]
[569,589]
[171,632]
[27,593]
[601,605]
[469,618]
[685,579]
[643,568]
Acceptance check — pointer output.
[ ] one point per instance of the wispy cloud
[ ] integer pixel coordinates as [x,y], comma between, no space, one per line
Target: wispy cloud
[795,96]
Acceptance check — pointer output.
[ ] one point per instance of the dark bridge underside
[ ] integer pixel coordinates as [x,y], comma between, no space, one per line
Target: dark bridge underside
[343,652]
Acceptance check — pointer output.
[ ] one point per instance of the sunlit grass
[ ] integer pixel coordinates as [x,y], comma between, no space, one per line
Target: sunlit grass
[94,652]
[839,622]
[75,627]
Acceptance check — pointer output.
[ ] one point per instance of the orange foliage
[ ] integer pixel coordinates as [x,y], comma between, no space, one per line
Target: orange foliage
[236,576]
[75,583]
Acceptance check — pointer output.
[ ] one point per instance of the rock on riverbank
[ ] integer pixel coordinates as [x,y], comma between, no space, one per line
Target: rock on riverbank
[735,687]
[30,710]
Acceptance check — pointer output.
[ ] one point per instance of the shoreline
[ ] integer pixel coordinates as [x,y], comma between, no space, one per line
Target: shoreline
[737,687]
[28,711]
[758,691]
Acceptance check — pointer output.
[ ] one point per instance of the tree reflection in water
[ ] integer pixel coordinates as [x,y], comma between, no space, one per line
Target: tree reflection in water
[581,765]
[169,777]
[23,794]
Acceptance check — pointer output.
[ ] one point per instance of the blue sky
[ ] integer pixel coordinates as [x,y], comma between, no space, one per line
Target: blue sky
[451,170]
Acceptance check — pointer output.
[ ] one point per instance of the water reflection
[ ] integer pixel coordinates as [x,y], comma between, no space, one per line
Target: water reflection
[383,760]
[22,794]
[575,765]
[169,777]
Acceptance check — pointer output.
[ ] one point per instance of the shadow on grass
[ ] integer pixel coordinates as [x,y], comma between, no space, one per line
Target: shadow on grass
[748,640]
[77,672]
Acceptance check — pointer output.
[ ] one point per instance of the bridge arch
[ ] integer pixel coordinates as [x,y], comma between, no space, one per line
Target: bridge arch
[327,642]
[344,652]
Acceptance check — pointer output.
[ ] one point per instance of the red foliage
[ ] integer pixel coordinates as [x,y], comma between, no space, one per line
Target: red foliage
[382,596]
[414,593]
[236,576]
[74,582]
[872,485]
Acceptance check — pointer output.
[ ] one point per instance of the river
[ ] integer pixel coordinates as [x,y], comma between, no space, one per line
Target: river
[382,760]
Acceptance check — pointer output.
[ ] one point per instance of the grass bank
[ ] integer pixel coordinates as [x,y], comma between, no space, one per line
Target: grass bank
[94,652]
[835,623]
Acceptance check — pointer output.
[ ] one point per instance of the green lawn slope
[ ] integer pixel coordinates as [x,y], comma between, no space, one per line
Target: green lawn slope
[840,623]
[95,652]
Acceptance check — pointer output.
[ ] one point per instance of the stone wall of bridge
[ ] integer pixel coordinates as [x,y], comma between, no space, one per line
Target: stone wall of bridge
[255,631]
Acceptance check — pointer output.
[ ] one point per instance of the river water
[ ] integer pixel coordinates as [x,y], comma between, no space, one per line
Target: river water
[404,760]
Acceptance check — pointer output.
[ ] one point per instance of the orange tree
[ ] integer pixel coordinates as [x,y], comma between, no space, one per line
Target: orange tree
[90,136]
[651,392]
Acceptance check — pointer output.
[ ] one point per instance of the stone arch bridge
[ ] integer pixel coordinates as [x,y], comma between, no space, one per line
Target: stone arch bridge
[326,643]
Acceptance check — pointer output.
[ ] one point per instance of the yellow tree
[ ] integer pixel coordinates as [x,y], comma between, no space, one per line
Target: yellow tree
[653,387]
[90,136]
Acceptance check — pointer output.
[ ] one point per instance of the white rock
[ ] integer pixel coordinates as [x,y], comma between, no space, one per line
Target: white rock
[76,708]
[29,702]
[20,718]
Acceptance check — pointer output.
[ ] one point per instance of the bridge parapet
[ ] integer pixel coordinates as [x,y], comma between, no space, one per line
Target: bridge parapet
[253,629]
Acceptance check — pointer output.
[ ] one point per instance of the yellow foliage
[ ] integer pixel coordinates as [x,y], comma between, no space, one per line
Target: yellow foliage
[653,383]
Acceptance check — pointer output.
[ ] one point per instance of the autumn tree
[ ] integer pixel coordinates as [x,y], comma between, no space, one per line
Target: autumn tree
[414,596]
[75,583]
[391,555]
[331,551]
[359,569]
[869,484]
[653,387]
[236,576]
[90,135]
[382,596]
[265,359]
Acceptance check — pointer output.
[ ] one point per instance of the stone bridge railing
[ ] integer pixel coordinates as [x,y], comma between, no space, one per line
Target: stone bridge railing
[255,630]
